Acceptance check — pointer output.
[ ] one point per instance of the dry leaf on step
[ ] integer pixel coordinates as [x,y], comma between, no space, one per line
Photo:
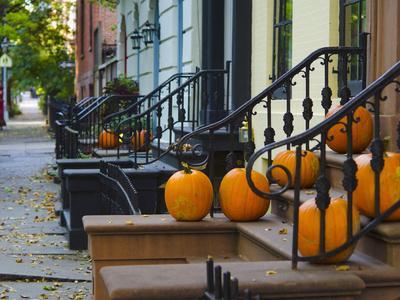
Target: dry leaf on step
[270,272]
[343,268]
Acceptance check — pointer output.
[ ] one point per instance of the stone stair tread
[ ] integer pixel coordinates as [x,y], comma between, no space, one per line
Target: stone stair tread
[306,194]
[189,280]
[270,230]
[388,231]
[335,159]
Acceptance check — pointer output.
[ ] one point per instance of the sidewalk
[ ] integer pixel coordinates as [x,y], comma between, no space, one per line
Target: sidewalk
[35,260]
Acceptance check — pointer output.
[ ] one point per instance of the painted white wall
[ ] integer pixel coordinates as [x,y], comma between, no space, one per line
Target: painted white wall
[315,25]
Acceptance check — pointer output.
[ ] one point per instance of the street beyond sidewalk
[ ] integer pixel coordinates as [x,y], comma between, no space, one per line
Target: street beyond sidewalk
[34,256]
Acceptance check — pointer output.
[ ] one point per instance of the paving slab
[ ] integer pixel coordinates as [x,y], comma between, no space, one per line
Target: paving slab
[44,290]
[34,258]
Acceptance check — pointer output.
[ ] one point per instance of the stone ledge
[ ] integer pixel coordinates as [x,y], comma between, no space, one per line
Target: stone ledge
[189,281]
[152,223]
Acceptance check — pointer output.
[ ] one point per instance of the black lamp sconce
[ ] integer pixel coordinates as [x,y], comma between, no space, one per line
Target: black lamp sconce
[148,34]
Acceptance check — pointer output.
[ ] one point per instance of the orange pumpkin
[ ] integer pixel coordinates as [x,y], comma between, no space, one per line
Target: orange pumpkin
[361,131]
[287,158]
[188,195]
[363,195]
[335,229]
[139,141]
[108,140]
[238,201]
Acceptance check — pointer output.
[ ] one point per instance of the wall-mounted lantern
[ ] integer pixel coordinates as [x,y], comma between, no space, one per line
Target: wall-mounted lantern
[149,33]
[135,39]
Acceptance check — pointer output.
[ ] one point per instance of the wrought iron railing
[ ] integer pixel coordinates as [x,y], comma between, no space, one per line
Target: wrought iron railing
[313,138]
[228,289]
[85,125]
[151,132]
[154,96]
[374,91]
[263,105]
[118,195]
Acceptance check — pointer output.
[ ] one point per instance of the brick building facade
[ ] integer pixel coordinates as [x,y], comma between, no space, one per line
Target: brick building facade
[95,43]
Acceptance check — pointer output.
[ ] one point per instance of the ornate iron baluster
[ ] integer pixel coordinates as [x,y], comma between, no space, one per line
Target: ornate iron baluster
[288,116]
[326,91]
[296,205]
[349,171]
[307,103]
[269,132]
[322,186]
[345,92]
[377,151]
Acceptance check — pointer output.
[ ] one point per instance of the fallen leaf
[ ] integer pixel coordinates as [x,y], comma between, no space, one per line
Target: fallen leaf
[19,260]
[309,192]
[283,231]
[270,272]
[343,268]
[129,222]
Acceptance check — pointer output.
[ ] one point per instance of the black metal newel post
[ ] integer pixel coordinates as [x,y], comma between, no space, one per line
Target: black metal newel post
[296,206]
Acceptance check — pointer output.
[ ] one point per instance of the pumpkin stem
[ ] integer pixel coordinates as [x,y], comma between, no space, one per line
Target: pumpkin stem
[186,168]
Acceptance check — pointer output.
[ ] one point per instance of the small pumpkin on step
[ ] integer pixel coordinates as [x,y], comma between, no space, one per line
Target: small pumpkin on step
[335,229]
[364,194]
[287,158]
[188,194]
[238,201]
[108,140]
[362,128]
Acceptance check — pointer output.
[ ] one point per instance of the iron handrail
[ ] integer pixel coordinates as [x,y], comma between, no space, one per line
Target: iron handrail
[245,107]
[173,93]
[146,97]
[90,106]
[358,100]
[100,102]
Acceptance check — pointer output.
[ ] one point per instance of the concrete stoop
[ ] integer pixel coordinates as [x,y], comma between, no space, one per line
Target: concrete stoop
[156,257]
[309,282]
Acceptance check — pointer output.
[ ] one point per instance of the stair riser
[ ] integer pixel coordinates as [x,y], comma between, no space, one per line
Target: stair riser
[385,251]
[335,176]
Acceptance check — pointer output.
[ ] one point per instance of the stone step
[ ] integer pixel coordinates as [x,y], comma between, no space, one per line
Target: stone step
[335,167]
[382,243]
[123,244]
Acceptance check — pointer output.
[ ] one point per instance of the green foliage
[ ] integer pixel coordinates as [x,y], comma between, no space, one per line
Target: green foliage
[121,86]
[38,30]
[111,4]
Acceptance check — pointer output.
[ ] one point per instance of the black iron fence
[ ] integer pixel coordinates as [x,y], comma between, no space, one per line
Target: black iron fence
[321,61]
[223,286]
[78,133]
[314,138]
[118,195]
[371,97]
[152,131]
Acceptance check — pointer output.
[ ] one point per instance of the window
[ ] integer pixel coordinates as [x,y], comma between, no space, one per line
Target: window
[282,38]
[352,24]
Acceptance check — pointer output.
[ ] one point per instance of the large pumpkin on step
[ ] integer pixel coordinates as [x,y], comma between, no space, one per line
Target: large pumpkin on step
[362,128]
[287,158]
[335,229]
[139,140]
[188,195]
[108,140]
[363,195]
[238,201]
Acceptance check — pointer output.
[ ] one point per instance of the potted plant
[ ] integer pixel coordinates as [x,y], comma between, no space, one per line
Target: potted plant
[121,86]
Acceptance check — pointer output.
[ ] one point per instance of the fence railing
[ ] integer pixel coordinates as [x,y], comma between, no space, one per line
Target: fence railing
[371,97]
[118,195]
[155,126]
[265,103]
